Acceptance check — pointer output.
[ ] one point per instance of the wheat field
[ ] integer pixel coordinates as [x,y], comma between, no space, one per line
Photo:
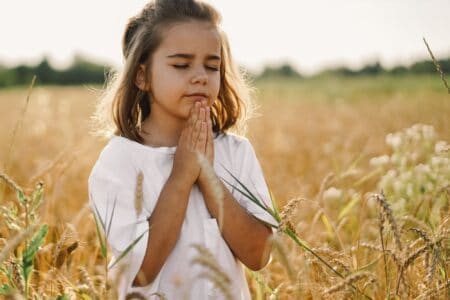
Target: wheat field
[327,146]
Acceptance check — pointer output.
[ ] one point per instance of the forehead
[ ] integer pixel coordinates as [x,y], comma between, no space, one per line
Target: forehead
[191,37]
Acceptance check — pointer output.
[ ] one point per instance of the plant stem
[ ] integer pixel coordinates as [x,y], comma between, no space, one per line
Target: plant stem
[384,252]
[293,236]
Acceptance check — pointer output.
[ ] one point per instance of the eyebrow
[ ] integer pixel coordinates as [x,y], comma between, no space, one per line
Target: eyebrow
[191,56]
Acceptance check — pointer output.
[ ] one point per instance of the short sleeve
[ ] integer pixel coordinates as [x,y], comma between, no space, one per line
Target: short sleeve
[248,171]
[113,203]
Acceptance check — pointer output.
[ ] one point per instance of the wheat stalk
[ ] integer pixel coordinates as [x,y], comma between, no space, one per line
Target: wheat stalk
[18,125]
[287,212]
[377,248]
[413,256]
[384,205]
[327,179]
[11,183]
[17,276]
[87,281]
[438,67]
[280,247]
[348,281]
[334,256]
[432,267]
[13,243]
[66,245]
[434,292]
[215,274]
[139,196]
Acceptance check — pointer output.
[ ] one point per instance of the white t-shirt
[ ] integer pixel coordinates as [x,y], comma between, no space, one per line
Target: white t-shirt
[112,186]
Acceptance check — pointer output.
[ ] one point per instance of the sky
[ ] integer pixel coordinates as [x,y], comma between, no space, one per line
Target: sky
[311,35]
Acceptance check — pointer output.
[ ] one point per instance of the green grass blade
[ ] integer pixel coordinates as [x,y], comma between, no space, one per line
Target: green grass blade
[31,250]
[37,196]
[257,277]
[14,242]
[249,196]
[274,203]
[241,184]
[254,200]
[99,216]
[128,249]
[21,197]
[111,218]
[6,290]
[100,237]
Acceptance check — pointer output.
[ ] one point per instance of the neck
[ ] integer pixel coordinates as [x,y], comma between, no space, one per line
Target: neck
[161,130]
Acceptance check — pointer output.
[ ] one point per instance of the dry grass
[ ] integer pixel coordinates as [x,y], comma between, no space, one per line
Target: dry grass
[308,130]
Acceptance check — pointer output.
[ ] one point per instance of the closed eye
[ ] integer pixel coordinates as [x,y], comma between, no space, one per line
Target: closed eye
[186,66]
[180,66]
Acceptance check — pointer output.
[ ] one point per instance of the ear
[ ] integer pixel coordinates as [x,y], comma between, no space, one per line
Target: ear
[141,78]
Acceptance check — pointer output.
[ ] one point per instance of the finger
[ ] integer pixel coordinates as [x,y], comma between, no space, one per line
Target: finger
[194,113]
[199,120]
[202,115]
[195,120]
[196,134]
[210,141]
[208,124]
[201,141]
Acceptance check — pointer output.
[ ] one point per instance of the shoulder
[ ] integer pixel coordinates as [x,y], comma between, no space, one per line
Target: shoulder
[116,160]
[233,151]
[233,142]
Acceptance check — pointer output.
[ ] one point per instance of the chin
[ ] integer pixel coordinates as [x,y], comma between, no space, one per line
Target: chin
[184,115]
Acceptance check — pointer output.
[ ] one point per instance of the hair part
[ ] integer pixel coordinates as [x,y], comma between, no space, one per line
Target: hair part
[123,106]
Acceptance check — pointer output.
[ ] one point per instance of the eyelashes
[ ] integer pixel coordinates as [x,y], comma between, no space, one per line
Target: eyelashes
[186,66]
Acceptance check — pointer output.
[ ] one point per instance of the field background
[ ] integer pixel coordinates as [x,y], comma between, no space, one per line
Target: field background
[306,129]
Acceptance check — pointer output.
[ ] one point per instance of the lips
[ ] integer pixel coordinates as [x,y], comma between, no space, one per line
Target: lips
[198,96]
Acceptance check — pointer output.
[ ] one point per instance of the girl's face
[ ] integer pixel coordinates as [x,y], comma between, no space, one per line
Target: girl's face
[186,62]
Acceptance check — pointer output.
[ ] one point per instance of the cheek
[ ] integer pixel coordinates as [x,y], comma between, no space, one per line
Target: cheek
[215,84]
[165,83]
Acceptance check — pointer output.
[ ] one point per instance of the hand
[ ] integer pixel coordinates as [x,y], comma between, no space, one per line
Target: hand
[209,147]
[192,141]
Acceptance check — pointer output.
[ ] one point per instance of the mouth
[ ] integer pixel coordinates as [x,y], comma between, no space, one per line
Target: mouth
[197,96]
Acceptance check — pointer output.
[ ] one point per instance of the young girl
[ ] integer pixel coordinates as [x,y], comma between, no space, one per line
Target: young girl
[174,101]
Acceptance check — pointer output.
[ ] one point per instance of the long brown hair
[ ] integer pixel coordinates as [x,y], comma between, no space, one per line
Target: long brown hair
[123,106]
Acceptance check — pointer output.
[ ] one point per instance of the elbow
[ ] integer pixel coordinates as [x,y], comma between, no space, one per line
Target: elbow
[262,255]
[143,279]
[258,265]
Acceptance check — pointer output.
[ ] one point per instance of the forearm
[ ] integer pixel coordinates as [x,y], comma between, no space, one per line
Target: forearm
[247,237]
[165,226]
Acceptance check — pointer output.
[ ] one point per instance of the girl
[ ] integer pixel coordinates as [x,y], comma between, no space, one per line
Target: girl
[173,103]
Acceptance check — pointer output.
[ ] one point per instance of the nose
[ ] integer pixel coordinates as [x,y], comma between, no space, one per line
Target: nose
[200,76]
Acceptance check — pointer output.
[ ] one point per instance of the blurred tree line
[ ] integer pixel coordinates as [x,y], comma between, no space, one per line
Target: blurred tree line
[83,71]
[420,67]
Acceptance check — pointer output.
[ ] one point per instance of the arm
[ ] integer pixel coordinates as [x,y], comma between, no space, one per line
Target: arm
[167,217]
[247,237]
[165,226]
